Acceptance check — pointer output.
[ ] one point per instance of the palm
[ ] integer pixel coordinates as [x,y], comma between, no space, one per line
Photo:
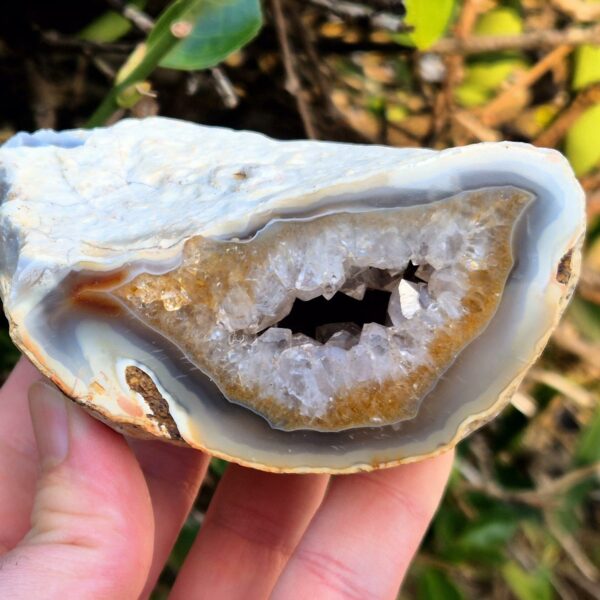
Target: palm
[102,523]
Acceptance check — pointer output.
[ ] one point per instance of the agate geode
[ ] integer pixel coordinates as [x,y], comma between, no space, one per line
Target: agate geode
[294,306]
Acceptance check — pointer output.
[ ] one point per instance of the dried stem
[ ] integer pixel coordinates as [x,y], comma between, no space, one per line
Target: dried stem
[133,14]
[350,10]
[591,182]
[572,36]
[567,337]
[563,385]
[544,496]
[454,70]
[54,40]
[559,127]
[494,113]
[292,85]
[225,88]
[468,121]
[572,548]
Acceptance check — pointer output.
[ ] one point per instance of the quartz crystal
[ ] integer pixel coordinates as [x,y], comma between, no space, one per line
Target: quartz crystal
[232,299]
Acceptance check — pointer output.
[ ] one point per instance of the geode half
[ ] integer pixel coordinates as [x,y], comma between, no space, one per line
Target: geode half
[294,306]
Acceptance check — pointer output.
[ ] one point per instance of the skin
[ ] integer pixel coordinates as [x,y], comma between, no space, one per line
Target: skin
[86,513]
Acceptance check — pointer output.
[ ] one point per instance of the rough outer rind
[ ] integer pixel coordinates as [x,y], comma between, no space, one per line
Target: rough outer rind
[348,171]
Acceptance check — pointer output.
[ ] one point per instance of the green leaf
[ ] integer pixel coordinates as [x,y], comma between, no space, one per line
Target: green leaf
[484,78]
[210,31]
[484,541]
[586,317]
[184,542]
[500,21]
[582,143]
[429,21]
[110,26]
[433,584]
[587,450]
[587,66]
[532,585]
[485,73]
[218,466]
[9,355]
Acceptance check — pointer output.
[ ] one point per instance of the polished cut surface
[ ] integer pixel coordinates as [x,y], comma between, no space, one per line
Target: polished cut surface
[292,306]
[222,306]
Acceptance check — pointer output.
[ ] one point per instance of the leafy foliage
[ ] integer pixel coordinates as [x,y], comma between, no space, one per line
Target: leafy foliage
[582,144]
[528,585]
[433,584]
[486,73]
[429,20]
[216,29]
[109,27]
[189,35]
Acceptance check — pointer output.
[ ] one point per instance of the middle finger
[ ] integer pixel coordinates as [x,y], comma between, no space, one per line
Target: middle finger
[252,526]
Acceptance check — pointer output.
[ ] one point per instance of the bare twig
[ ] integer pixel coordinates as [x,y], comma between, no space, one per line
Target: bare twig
[572,36]
[225,88]
[567,338]
[454,72]
[563,385]
[104,68]
[496,111]
[350,10]
[563,484]
[566,569]
[572,548]
[544,496]
[478,130]
[559,127]
[54,40]
[591,182]
[133,14]
[293,85]
[525,404]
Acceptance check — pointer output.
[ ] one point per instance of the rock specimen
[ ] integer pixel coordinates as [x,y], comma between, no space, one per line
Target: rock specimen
[294,306]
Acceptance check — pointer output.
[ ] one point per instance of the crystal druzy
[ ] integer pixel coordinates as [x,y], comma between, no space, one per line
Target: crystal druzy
[227,303]
[294,306]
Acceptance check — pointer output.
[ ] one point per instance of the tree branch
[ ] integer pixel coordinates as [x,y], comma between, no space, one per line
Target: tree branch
[350,10]
[559,127]
[133,14]
[293,85]
[572,36]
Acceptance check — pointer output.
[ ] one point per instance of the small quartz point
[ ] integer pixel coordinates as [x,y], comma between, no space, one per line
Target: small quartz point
[339,331]
[409,298]
[424,272]
[282,338]
[356,291]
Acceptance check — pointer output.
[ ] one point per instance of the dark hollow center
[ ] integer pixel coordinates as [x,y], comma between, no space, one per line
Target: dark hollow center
[306,316]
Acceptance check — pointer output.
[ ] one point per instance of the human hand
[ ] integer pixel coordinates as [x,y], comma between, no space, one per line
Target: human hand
[86,514]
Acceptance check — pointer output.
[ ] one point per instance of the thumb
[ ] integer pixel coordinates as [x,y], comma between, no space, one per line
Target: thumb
[91,525]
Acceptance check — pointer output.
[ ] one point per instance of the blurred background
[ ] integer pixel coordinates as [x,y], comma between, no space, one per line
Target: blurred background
[521,517]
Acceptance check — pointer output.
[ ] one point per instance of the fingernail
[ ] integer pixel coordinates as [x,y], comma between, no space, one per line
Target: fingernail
[50,422]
